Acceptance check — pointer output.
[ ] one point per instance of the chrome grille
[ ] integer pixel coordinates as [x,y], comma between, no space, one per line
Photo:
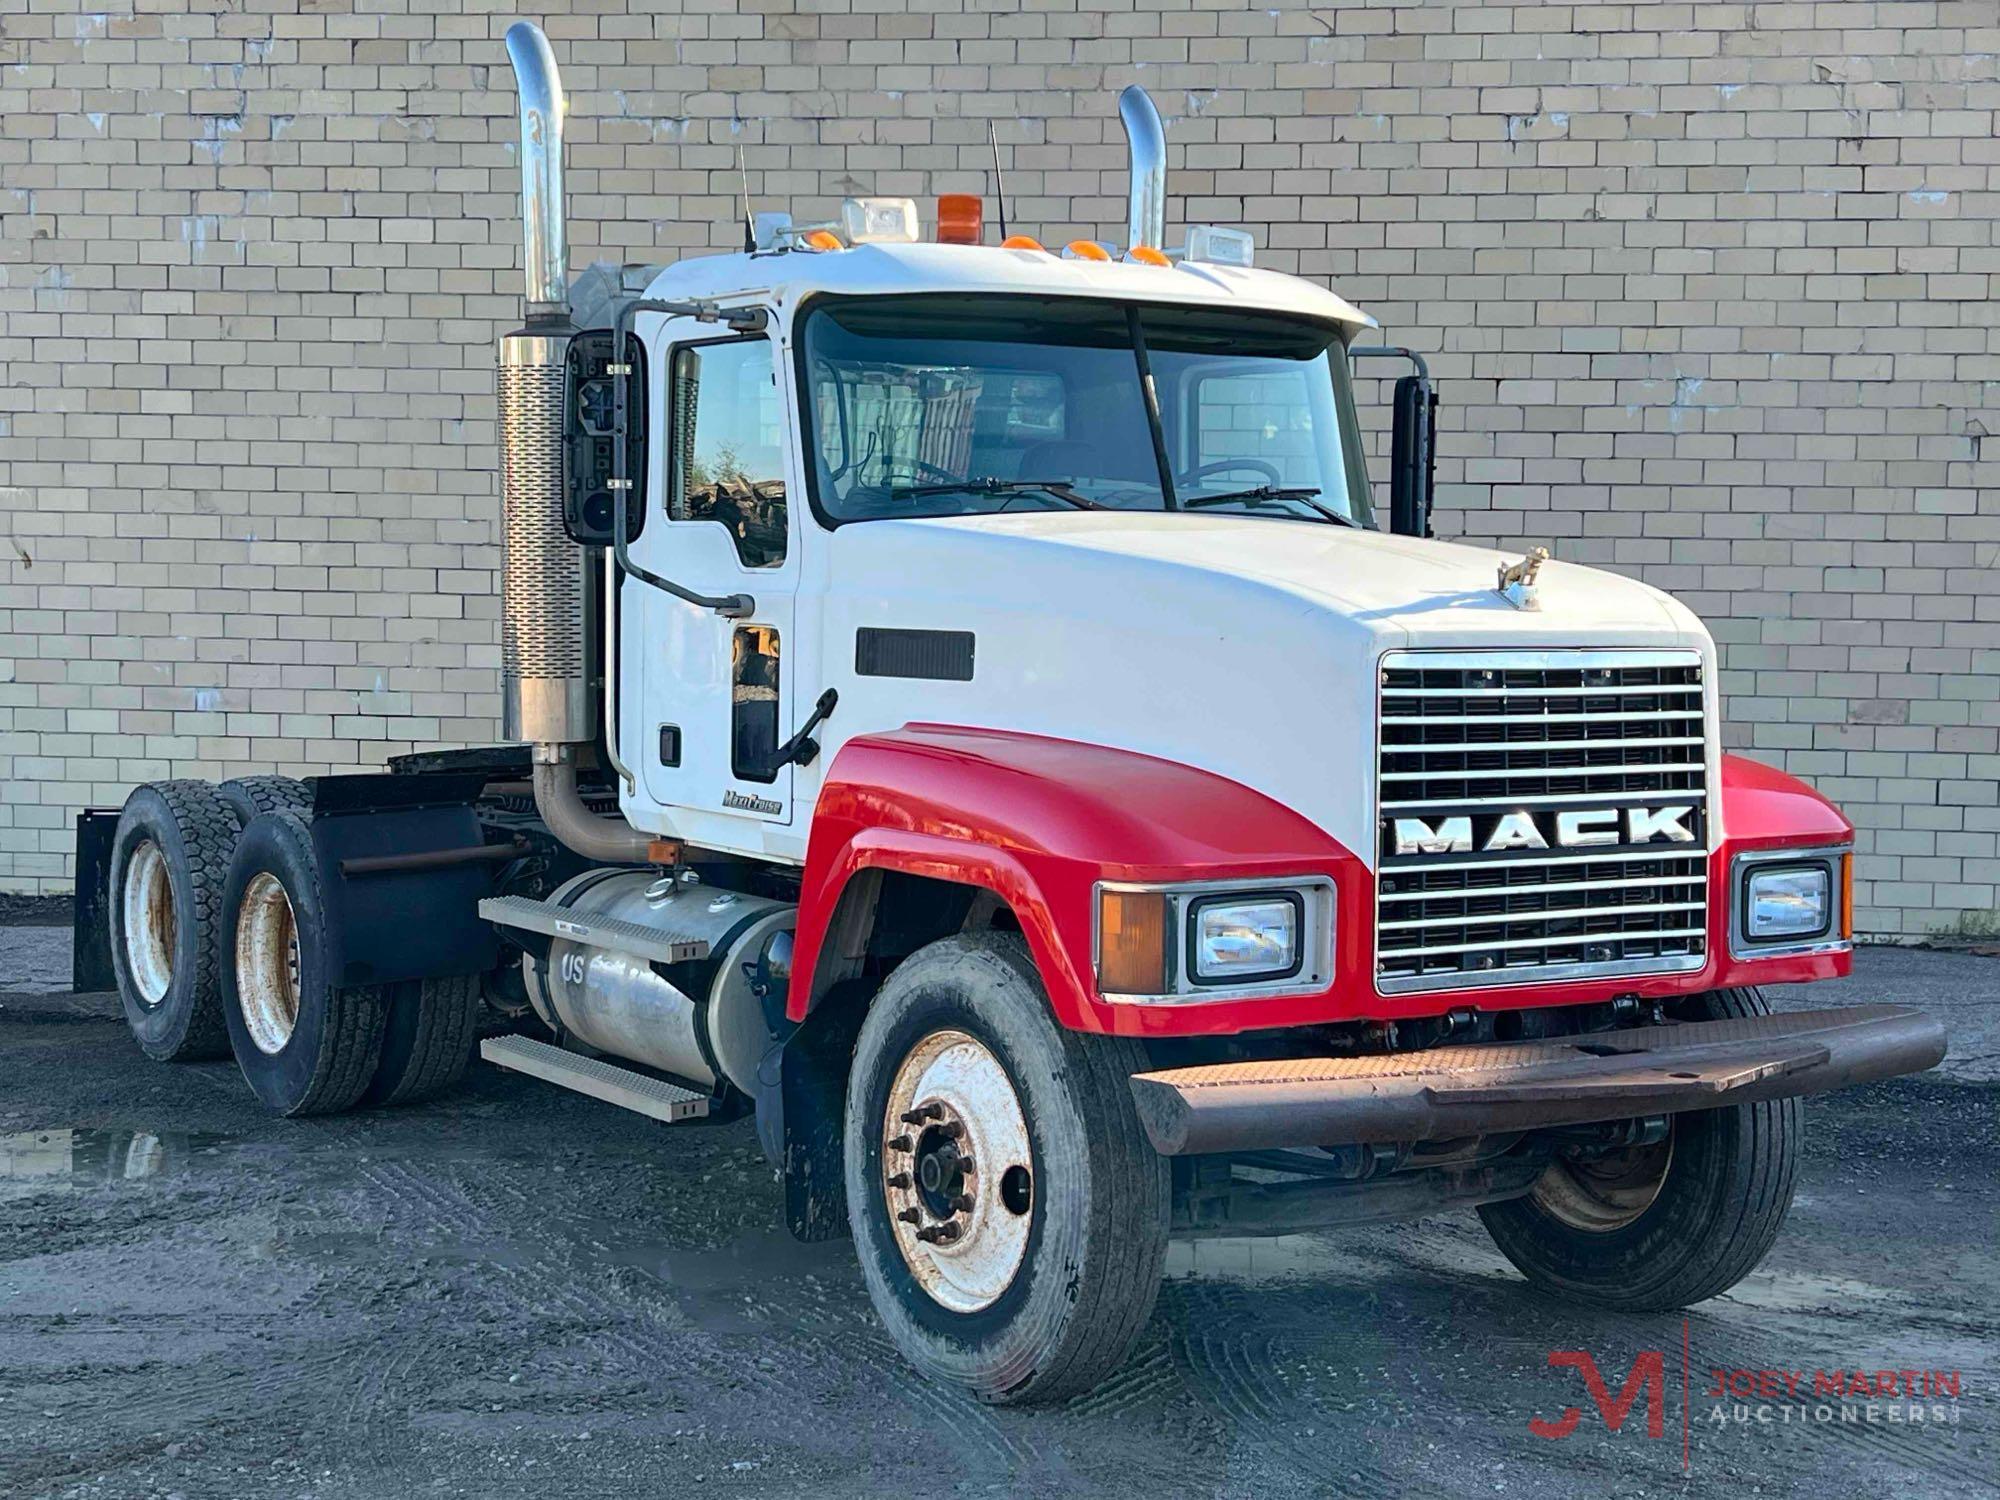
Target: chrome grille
[1539,798]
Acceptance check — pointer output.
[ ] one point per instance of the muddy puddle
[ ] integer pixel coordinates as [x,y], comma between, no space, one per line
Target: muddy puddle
[41,1160]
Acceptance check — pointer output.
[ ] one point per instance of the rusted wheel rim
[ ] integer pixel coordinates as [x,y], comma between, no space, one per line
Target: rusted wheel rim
[267,963]
[1606,1192]
[958,1172]
[150,928]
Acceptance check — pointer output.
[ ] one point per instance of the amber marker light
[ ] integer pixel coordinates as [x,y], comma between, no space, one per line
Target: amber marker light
[1131,942]
[1146,255]
[823,239]
[1847,896]
[1023,242]
[960,218]
[1086,250]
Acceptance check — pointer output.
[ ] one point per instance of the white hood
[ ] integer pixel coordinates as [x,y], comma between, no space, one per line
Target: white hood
[1246,646]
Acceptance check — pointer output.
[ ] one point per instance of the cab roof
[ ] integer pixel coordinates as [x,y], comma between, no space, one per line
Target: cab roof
[789,277]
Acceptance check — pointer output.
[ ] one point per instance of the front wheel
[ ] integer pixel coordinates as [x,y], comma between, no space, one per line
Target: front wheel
[1660,1226]
[1009,1215]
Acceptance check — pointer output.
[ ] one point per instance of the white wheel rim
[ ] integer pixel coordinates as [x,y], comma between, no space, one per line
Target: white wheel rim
[1608,1192]
[957,1171]
[148,902]
[267,963]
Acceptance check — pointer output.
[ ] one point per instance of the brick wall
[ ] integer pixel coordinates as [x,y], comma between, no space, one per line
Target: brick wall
[1708,286]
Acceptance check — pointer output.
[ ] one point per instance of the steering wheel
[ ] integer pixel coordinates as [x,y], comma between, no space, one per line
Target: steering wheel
[1225,465]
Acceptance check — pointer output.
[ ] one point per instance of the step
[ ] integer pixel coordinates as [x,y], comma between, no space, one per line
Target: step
[593,1076]
[659,944]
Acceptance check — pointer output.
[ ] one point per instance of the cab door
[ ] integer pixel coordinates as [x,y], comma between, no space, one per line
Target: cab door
[715,694]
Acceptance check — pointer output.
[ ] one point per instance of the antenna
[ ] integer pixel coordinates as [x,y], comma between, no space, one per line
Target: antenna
[999,182]
[749,220]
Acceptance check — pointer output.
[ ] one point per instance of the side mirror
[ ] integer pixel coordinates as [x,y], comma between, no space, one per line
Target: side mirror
[1412,457]
[1412,443]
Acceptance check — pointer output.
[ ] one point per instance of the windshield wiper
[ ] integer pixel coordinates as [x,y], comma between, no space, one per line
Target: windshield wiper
[993,485]
[1267,492]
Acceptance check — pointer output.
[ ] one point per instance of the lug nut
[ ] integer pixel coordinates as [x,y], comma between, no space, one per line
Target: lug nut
[912,1216]
[922,1113]
[900,1180]
[900,1143]
[951,1130]
[962,1203]
[939,1234]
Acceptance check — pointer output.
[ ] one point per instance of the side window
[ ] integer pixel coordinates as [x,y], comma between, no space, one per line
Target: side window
[1263,417]
[728,445]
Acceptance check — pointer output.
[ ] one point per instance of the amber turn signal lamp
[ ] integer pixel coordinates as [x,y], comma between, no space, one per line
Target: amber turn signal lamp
[1087,250]
[1131,942]
[1022,242]
[1146,255]
[823,239]
[959,218]
[1847,897]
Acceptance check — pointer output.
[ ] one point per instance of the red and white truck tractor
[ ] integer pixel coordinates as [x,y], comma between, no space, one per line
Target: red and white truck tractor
[963,711]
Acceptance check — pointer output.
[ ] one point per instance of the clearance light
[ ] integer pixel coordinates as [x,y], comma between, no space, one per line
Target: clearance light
[959,218]
[822,239]
[1847,896]
[1085,250]
[1022,242]
[1146,255]
[1213,245]
[874,221]
[1131,942]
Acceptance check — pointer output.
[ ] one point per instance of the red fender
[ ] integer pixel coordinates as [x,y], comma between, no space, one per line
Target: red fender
[1038,822]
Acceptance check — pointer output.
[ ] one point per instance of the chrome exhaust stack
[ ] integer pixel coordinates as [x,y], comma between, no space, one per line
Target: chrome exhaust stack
[545,649]
[1146,140]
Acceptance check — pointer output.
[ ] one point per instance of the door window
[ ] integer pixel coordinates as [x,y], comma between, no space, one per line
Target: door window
[728,447]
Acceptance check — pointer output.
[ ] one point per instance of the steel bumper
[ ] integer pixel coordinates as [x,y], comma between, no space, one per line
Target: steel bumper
[1451,1092]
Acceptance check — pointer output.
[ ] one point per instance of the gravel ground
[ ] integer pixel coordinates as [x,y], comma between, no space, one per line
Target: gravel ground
[521,1292]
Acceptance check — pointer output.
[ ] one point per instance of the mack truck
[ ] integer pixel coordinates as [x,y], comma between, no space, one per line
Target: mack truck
[964,712]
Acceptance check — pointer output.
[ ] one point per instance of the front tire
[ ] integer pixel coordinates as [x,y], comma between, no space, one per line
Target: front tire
[1009,1215]
[306,1045]
[1663,1226]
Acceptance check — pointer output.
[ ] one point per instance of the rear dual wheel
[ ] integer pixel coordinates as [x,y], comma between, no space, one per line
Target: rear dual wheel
[1009,1215]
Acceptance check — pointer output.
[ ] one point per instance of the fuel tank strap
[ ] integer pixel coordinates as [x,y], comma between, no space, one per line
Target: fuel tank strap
[657,944]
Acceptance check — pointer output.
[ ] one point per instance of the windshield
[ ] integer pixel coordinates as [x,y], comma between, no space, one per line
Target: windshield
[953,405]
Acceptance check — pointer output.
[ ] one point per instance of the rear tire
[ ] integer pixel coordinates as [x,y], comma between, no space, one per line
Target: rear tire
[1616,1234]
[306,1045]
[1056,1259]
[169,859]
[432,1024]
[251,795]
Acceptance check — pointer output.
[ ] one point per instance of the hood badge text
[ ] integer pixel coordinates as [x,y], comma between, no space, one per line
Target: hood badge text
[1517,580]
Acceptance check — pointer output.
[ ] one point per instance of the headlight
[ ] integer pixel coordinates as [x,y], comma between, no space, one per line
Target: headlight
[1168,944]
[1788,901]
[1232,939]
[1794,902]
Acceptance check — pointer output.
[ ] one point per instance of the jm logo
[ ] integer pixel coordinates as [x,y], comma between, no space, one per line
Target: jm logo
[1577,828]
[1648,1375]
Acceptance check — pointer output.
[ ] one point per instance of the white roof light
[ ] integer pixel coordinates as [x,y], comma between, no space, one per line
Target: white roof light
[869,221]
[1214,245]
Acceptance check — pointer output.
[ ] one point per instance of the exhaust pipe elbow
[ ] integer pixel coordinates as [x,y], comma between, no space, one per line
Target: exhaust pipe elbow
[542,109]
[1146,213]
[610,841]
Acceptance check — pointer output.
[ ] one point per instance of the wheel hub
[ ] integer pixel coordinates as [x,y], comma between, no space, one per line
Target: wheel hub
[953,1132]
[267,963]
[1606,1190]
[151,929]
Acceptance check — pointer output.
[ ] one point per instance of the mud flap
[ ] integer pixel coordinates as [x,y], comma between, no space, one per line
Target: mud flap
[416,922]
[811,1103]
[90,923]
